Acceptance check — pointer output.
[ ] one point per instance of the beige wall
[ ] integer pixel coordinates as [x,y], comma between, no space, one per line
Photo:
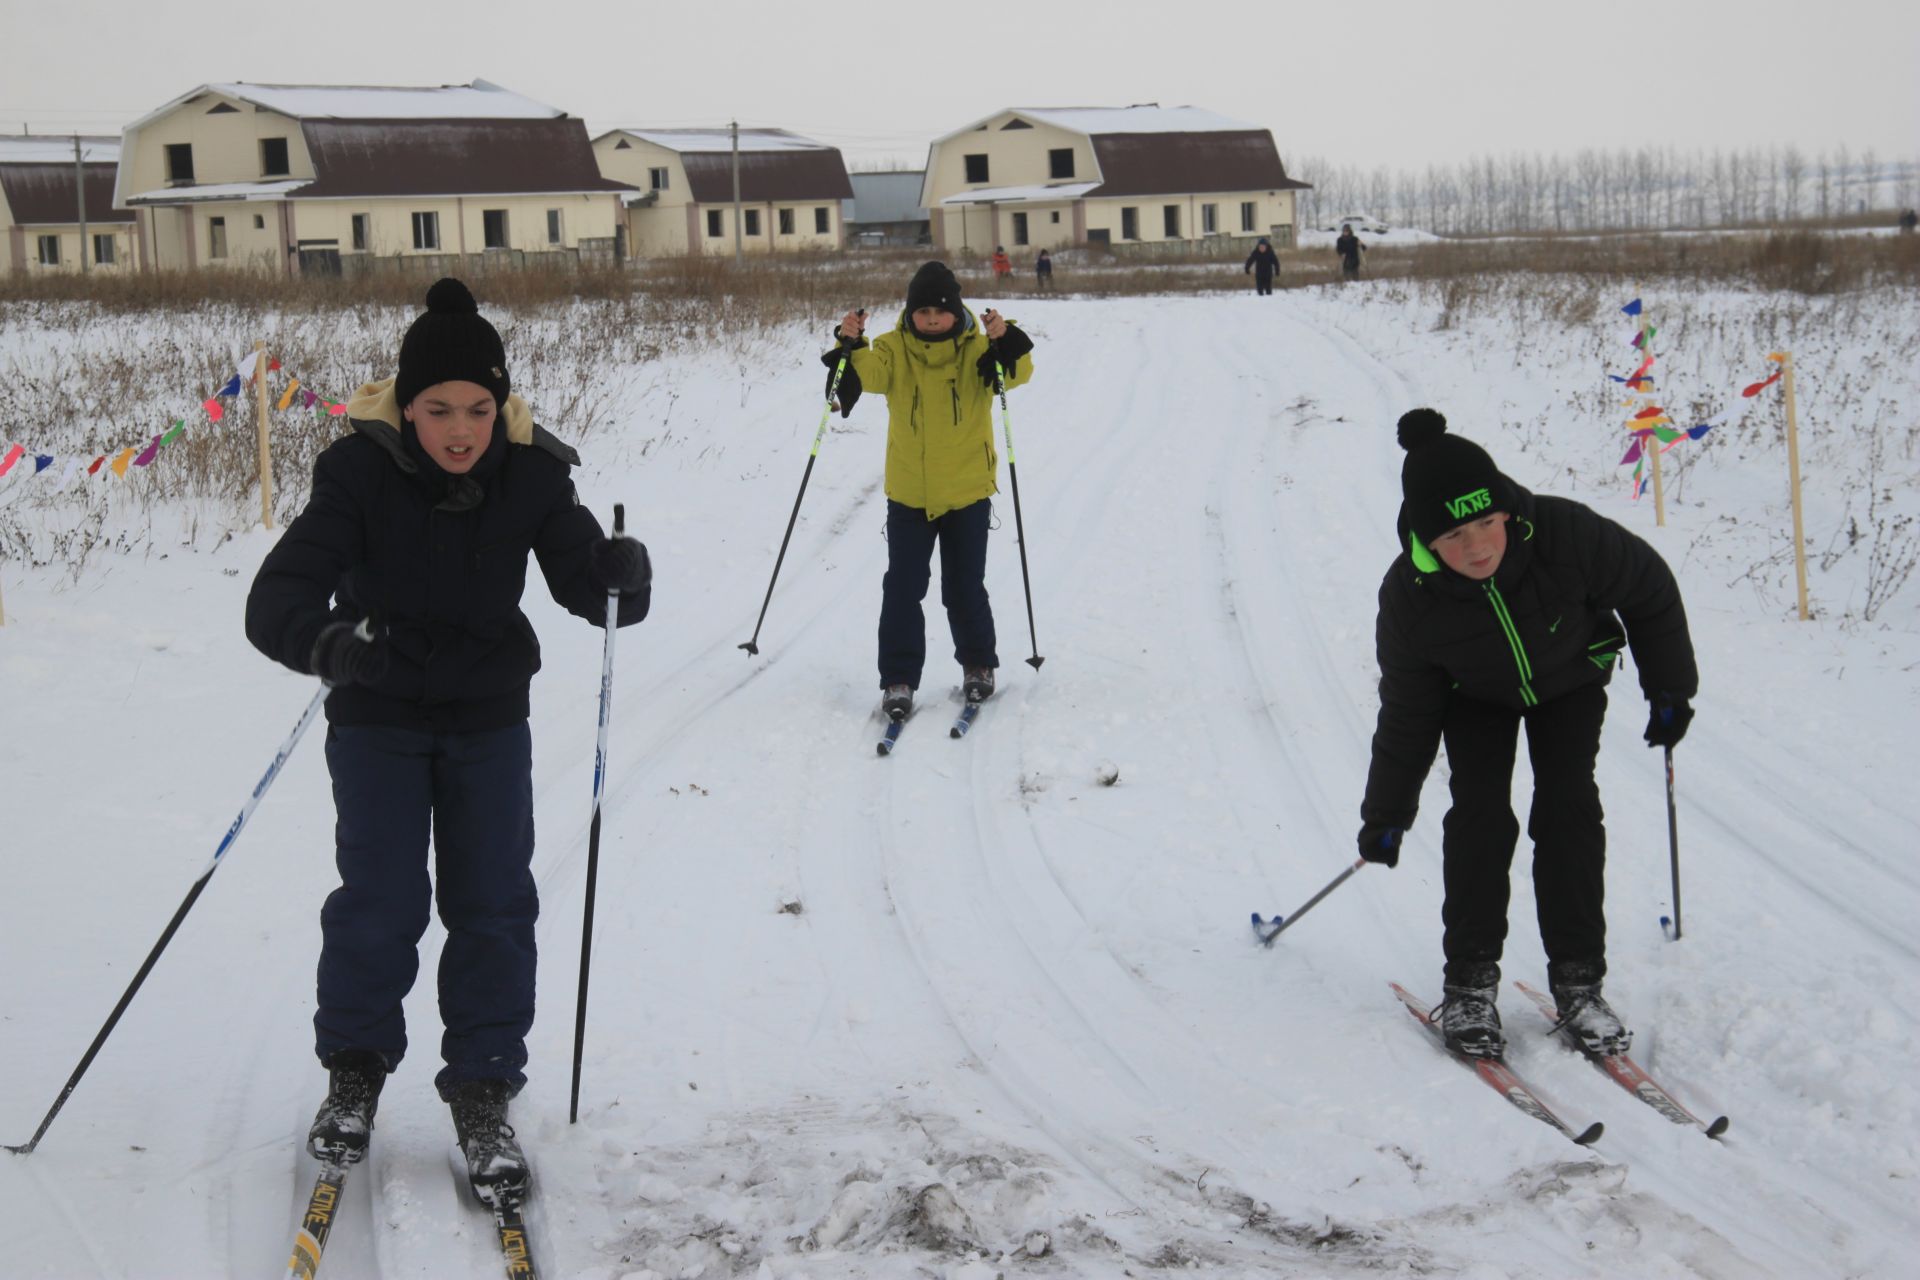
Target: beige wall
[1015,157]
[662,228]
[976,229]
[226,146]
[21,252]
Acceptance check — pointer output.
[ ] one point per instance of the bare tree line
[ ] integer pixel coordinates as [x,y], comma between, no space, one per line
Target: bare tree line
[1600,190]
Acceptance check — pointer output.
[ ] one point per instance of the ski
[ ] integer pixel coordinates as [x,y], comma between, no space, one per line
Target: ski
[1627,1073]
[510,1227]
[316,1223]
[891,738]
[1499,1076]
[964,721]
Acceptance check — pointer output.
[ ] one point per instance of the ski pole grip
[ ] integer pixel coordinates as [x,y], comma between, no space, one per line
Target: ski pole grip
[619,519]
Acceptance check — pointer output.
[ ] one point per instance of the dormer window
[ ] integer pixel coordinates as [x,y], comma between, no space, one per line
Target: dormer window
[273,158]
[180,162]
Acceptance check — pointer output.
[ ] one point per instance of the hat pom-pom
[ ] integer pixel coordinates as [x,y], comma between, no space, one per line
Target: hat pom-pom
[450,295]
[1419,427]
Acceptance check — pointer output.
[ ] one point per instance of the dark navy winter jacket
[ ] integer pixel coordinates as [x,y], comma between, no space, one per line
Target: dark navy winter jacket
[439,562]
[1263,265]
[1548,622]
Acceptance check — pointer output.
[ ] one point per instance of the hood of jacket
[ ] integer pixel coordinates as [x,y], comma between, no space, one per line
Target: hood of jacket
[374,412]
[943,351]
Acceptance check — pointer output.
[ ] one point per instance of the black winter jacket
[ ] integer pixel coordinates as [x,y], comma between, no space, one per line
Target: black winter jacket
[1263,265]
[439,563]
[1548,622]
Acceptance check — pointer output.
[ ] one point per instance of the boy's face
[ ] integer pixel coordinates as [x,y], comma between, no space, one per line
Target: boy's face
[1474,550]
[454,421]
[933,321]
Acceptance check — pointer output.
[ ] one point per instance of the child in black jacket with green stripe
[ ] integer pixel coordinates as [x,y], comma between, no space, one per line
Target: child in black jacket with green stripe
[1504,608]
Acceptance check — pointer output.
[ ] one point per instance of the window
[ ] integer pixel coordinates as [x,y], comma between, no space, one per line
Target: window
[1129,223]
[216,237]
[1209,218]
[1019,228]
[822,221]
[259,222]
[426,231]
[49,251]
[1247,209]
[1054,216]
[103,250]
[360,232]
[1060,162]
[753,222]
[713,223]
[180,162]
[493,228]
[273,157]
[1170,221]
[976,168]
[556,229]
[786,222]
[657,179]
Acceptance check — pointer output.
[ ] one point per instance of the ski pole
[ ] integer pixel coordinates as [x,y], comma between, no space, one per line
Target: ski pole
[833,388]
[365,632]
[1673,845]
[1019,525]
[1282,923]
[593,830]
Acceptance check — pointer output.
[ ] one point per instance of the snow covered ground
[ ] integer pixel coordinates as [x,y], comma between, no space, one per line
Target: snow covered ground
[991,1007]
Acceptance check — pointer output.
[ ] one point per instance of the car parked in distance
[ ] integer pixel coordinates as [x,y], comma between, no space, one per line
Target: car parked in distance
[1360,222]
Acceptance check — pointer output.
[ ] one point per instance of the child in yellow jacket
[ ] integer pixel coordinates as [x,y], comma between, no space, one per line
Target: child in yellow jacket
[939,369]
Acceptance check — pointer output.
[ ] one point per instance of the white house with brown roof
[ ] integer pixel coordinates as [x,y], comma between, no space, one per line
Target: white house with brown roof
[325,178]
[41,212]
[790,190]
[1140,178]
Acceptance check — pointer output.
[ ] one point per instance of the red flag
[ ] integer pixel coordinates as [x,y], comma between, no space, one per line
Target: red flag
[1758,387]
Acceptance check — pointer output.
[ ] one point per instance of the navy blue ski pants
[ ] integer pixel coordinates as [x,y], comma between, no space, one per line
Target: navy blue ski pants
[1566,825]
[472,793]
[962,537]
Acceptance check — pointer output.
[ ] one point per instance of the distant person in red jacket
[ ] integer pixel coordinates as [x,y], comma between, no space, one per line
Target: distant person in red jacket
[1002,265]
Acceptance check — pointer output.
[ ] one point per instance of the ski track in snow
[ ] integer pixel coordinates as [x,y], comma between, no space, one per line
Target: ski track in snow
[873,1018]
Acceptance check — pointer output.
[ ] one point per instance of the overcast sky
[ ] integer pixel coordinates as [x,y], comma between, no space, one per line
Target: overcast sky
[1390,82]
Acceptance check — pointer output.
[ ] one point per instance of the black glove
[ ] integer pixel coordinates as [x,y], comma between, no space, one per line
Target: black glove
[1006,352]
[1381,844]
[620,564]
[1667,720]
[340,657]
[850,386]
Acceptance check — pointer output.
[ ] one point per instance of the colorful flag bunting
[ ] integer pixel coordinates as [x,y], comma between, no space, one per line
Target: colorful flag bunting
[172,432]
[232,388]
[119,467]
[214,411]
[41,461]
[94,467]
[147,454]
[1632,308]
[13,456]
[1758,387]
[286,397]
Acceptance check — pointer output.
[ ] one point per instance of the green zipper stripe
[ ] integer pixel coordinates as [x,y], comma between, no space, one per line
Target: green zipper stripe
[1520,662]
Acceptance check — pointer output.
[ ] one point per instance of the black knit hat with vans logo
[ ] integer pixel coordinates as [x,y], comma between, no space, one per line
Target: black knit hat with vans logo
[1446,480]
[452,342]
[933,285]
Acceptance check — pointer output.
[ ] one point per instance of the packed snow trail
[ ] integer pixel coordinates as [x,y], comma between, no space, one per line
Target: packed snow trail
[859,1017]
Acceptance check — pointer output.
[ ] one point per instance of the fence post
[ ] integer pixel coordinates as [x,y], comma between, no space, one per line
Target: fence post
[261,421]
[1793,480]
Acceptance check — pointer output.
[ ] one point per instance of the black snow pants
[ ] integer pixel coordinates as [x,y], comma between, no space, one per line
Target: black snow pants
[962,536]
[1565,824]
[472,794]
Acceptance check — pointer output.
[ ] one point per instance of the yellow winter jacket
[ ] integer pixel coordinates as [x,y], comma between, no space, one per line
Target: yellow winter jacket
[940,453]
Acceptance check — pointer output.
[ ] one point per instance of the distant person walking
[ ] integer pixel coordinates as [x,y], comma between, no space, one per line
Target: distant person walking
[1002,265]
[1349,248]
[1262,263]
[1043,271]
[1908,221]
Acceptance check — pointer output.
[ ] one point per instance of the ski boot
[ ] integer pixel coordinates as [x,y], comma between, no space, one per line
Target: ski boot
[897,702]
[977,684]
[1468,1018]
[496,1166]
[340,1130]
[1584,1014]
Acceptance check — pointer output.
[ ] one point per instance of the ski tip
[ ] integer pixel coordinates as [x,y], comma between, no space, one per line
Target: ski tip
[956,732]
[1258,920]
[751,648]
[883,747]
[1035,661]
[1590,1135]
[1717,1128]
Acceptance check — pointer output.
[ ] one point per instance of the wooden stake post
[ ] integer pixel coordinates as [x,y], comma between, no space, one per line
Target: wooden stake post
[1785,359]
[261,418]
[1651,445]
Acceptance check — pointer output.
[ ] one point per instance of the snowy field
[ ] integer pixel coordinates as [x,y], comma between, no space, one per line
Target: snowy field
[970,1012]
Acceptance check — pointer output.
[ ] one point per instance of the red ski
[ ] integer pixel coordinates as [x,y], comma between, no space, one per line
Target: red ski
[1626,1073]
[1498,1074]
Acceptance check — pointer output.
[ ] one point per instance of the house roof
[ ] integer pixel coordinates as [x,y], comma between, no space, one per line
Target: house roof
[37,149]
[1014,195]
[418,157]
[774,164]
[481,100]
[43,194]
[202,192]
[1093,121]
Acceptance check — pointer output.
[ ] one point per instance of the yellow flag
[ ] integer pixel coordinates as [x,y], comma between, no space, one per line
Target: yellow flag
[120,463]
[287,397]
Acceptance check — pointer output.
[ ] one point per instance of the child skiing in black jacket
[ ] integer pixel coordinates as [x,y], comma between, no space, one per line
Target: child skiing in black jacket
[1505,609]
[421,521]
